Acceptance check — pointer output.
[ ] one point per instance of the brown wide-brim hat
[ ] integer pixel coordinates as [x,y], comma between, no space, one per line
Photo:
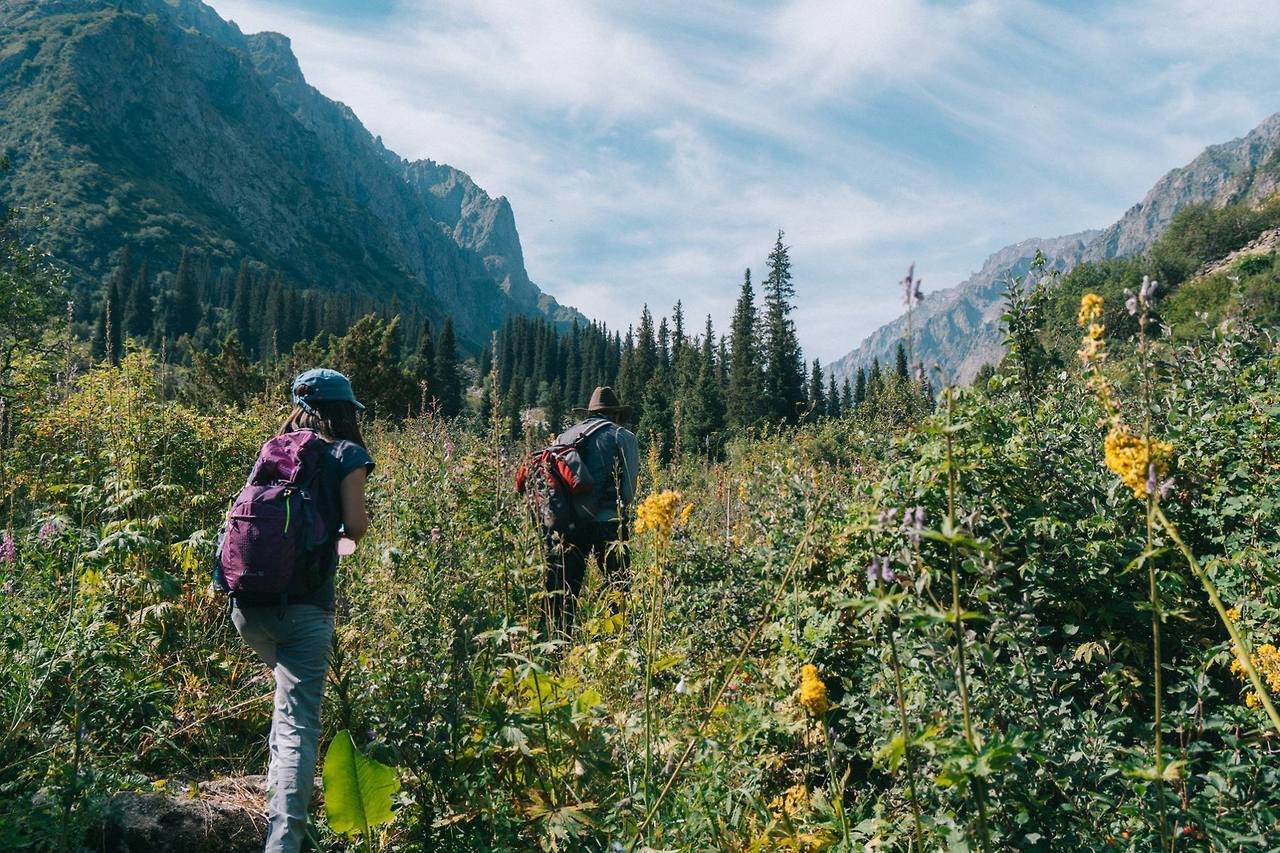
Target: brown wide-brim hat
[604,401]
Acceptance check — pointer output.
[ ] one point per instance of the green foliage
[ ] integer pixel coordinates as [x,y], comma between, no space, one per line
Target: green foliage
[358,790]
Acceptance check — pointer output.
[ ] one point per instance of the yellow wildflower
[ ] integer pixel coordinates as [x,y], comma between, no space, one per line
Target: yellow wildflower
[791,802]
[1127,456]
[658,512]
[1090,309]
[685,513]
[813,693]
[1233,614]
[1266,660]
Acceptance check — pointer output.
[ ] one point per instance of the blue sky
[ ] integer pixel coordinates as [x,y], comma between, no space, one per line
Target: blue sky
[652,150]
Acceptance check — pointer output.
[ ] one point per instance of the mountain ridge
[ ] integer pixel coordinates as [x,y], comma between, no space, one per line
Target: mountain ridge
[156,122]
[958,327]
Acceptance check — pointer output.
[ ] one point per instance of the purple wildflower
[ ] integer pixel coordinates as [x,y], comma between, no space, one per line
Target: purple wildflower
[913,521]
[1148,292]
[1165,487]
[8,549]
[880,571]
[47,530]
[435,534]
[911,287]
[1153,479]
[887,516]
[1131,303]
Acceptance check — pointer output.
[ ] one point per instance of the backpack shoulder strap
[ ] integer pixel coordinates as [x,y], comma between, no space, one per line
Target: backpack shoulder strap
[591,430]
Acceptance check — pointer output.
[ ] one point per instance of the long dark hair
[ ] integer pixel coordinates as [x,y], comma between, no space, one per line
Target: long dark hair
[333,420]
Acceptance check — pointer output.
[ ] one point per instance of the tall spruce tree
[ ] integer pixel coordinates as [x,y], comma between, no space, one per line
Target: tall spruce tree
[743,398]
[448,388]
[875,380]
[817,393]
[139,313]
[900,369]
[860,388]
[183,308]
[833,395]
[784,368]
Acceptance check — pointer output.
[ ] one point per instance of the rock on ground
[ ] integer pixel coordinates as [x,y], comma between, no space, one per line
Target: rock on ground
[224,816]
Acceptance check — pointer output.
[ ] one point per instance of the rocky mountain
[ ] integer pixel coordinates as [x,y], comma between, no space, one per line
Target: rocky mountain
[959,328]
[157,123]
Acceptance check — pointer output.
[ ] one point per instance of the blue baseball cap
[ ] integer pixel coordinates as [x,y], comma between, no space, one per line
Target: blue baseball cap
[322,386]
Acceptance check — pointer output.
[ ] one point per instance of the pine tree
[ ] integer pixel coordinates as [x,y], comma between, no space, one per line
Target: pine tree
[784,370]
[139,313]
[553,409]
[448,378]
[875,380]
[900,368]
[833,396]
[817,393]
[860,389]
[183,314]
[422,364]
[746,380]
[677,331]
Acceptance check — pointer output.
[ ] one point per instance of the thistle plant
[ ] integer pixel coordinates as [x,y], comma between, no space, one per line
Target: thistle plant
[951,533]
[911,297]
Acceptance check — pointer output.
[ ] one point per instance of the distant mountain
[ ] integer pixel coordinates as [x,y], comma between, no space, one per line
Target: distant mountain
[158,124]
[959,328]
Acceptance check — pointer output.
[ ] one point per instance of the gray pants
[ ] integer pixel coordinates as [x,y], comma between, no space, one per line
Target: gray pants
[296,642]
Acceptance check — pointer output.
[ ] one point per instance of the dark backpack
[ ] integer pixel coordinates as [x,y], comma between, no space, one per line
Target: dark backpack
[271,545]
[558,486]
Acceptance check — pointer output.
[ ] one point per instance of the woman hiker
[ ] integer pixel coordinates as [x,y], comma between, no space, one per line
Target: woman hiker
[293,634]
[610,453]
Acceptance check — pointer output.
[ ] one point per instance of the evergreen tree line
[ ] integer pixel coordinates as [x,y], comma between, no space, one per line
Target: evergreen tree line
[245,320]
[202,305]
[687,390]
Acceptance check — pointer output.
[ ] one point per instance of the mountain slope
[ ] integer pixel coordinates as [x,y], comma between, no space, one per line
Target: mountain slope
[155,122]
[959,328]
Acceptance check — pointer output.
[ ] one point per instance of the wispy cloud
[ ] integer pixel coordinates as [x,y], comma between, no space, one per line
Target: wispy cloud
[651,151]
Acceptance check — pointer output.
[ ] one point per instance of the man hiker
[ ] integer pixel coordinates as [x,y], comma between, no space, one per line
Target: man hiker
[613,459]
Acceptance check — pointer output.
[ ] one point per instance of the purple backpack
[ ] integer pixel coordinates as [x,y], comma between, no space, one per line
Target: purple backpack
[270,544]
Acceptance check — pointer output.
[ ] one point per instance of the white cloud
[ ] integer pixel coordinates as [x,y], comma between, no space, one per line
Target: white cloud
[651,150]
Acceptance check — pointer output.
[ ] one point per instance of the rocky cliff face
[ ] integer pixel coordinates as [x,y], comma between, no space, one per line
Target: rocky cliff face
[959,328]
[155,122]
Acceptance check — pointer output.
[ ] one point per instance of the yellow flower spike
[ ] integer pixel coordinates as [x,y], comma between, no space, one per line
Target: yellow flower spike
[658,512]
[685,513]
[1233,613]
[1090,309]
[813,692]
[1127,456]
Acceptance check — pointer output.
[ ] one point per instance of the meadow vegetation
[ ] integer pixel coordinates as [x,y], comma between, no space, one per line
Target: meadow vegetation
[1010,620]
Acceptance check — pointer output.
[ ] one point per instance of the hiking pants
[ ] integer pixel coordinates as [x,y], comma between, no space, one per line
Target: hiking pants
[296,642]
[606,542]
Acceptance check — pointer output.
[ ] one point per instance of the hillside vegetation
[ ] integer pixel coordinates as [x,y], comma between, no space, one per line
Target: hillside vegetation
[898,628]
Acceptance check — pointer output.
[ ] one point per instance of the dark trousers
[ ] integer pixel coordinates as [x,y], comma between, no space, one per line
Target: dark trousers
[606,542]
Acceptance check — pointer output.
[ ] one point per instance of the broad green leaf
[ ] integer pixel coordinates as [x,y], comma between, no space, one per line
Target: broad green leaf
[357,789]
